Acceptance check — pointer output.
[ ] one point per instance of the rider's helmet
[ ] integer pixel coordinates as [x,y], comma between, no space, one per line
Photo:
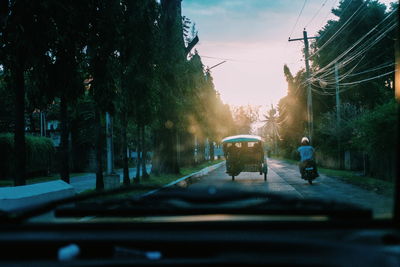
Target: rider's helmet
[305,141]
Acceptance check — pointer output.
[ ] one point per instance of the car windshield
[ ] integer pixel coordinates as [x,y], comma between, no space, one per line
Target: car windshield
[146,108]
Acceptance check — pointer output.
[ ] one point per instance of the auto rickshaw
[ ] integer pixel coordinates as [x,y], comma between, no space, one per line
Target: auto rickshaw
[244,153]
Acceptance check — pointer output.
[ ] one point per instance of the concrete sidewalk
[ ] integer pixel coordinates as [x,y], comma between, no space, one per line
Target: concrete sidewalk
[86,182]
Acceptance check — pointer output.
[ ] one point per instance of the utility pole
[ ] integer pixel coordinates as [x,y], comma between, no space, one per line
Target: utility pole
[338,112]
[109,134]
[42,123]
[310,116]
[337,94]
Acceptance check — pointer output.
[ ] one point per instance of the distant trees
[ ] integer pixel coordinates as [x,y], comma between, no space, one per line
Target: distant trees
[244,117]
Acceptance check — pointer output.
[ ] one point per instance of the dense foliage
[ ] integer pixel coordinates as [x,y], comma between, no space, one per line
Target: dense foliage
[360,45]
[39,153]
[130,58]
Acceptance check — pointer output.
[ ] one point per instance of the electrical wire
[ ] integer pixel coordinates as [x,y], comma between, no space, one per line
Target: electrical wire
[319,10]
[344,25]
[230,59]
[323,35]
[373,69]
[330,11]
[359,41]
[368,79]
[298,17]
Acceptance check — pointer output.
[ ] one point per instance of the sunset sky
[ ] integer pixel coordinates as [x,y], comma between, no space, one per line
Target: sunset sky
[253,36]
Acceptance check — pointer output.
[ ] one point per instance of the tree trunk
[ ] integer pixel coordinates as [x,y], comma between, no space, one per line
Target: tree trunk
[173,164]
[126,179]
[19,133]
[99,148]
[212,153]
[165,158]
[32,122]
[145,175]
[64,146]
[201,151]
[139,158]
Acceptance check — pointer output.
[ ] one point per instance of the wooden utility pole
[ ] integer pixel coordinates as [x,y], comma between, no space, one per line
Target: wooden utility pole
[337,94]
[338,112]
[109,136]
[310,116]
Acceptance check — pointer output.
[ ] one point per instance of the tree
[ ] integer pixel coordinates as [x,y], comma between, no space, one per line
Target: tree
[360,45]
[67,22]
[244,117]
[171,69]
[135,70]
[103,18]
[292,113]
[271,128]
[24,29]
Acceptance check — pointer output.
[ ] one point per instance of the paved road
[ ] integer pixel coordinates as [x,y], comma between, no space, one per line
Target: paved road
[284,178]
[85,182]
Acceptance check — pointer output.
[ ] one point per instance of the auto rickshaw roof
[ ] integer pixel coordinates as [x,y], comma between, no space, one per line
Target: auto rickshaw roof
[242,138]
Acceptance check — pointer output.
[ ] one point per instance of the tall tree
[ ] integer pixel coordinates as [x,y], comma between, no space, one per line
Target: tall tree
[68,22]
[292,113]
[24,26]
[171,60]
[103,19]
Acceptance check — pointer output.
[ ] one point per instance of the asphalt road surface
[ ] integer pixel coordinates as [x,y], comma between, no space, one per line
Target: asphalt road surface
[284,178]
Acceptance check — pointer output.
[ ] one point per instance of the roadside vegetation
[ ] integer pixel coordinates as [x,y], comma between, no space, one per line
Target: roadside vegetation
[159,180]
[354,109]
[133,60]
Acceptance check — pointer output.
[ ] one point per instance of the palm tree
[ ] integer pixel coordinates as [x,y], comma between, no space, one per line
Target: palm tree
[271,127]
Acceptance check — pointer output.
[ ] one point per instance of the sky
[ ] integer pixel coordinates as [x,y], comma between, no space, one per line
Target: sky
[252,36]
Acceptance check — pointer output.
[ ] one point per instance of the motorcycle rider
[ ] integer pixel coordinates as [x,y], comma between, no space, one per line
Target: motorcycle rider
[306,156]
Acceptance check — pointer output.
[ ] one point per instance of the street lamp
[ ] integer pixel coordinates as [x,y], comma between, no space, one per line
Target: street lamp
[216,65]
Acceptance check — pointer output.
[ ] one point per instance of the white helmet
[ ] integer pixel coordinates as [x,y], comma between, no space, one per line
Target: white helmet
[305,140]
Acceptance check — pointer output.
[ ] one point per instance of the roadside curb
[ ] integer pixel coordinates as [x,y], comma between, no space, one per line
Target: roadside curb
[188,179]
[21,197]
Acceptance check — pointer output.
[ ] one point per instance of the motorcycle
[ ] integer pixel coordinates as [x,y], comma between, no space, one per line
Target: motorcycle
[309,172]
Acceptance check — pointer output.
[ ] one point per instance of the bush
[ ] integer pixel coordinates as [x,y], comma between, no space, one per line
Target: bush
[375,133]
[39,154]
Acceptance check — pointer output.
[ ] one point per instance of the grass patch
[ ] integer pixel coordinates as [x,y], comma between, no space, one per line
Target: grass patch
[158,181]
[365,182]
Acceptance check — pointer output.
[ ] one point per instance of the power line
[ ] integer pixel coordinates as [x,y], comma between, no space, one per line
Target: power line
[229,59]
[319,10]
[385,65]
[298,17]
[363,46]
[368,79]
[329,12]
[322,36]
[344,25]
[348,85]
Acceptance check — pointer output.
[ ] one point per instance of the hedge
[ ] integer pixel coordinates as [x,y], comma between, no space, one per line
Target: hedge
[39,154]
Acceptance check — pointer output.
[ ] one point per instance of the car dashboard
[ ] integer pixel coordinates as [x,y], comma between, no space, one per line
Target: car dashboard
[202,242]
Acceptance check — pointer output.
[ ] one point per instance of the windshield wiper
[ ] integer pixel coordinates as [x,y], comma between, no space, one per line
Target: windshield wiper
[210,200]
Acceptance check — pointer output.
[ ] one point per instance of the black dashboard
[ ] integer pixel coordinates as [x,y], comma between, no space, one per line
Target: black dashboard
[203,243]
